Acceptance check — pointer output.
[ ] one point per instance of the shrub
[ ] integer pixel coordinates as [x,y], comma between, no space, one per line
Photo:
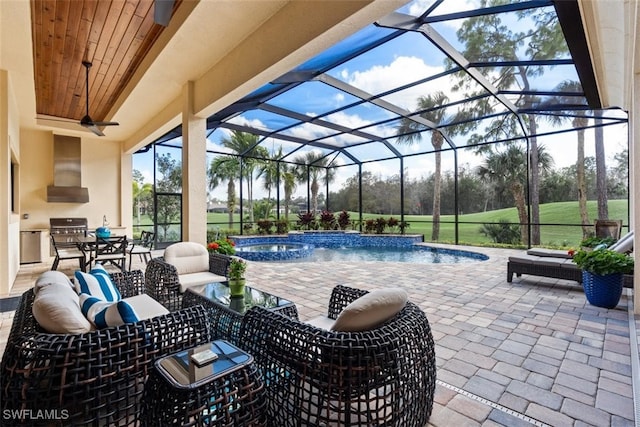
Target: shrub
[264,226]
[369,226]
[222,246]
[307,220]
[503,232]
[343,220]
[327,220]
[282,226]
[381,224]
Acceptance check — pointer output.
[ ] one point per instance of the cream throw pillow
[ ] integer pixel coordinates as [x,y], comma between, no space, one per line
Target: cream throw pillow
[187,257]
[57,310]
[371,310]
[49,277]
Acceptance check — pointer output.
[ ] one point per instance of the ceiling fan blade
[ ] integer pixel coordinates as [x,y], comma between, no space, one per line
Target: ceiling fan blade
[93,128]
[162,11]
[106,124]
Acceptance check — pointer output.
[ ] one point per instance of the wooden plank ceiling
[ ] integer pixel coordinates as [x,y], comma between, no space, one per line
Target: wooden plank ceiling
[113,35]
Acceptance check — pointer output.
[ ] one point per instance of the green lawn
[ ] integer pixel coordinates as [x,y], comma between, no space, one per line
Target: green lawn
[551,213]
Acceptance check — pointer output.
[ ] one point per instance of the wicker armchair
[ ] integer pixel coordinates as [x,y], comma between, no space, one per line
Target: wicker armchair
[93,378]
[384,376]
[162,280]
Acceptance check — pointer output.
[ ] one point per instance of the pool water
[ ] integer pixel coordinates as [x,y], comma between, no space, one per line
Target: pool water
[414,254]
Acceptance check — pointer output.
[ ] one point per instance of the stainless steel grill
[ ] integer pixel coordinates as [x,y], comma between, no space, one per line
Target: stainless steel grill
[65,229]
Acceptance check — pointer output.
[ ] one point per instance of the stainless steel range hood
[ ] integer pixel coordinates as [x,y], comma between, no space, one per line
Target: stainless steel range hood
[67,178]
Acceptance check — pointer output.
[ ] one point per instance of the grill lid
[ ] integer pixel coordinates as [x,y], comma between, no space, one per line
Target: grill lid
[68,223]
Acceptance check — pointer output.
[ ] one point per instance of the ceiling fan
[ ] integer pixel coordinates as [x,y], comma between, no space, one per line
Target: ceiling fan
[87,121]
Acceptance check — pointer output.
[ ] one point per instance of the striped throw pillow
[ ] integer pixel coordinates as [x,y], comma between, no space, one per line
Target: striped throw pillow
[103,314]
[97,283]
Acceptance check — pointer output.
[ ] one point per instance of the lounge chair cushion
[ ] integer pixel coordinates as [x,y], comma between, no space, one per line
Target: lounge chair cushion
[200,278]
[371,310]
[187,257]
[97,283]
[555,253]
[322,322]
[145,306]
[56,309]
[103,314]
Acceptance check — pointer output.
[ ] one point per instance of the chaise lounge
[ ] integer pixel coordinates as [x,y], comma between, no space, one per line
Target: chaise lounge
[558,264]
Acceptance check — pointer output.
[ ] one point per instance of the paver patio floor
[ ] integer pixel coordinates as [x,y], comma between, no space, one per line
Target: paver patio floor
[531,352]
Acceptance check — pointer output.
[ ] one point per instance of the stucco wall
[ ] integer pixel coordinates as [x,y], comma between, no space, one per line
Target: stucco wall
[100,168]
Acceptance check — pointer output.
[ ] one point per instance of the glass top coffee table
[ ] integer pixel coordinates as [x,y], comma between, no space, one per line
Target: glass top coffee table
[226,312]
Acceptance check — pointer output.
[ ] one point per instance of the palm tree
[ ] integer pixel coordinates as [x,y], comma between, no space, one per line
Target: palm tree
[409,131]
[271,173]
[141,192]
[289,179]
[579,122]
[316,164]
[508,169]
[246,144]
[225,168]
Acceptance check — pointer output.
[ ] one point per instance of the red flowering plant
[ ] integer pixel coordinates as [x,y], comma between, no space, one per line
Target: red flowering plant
[222,246]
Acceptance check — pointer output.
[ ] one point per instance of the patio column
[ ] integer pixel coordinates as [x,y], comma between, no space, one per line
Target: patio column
[634,177]
[194,171]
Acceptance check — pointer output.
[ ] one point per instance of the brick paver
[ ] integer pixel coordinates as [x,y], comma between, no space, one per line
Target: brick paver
[533,348]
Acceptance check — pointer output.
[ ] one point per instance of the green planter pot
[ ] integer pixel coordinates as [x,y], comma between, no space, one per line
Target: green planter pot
[236,287]
[602,291]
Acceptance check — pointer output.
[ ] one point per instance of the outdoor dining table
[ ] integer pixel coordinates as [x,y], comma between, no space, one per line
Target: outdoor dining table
[93,246]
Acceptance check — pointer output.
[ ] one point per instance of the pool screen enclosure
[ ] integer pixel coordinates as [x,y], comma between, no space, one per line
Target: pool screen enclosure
[451,77]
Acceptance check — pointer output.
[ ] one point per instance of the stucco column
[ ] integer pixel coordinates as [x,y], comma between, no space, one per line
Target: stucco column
[194,171]
[126,191]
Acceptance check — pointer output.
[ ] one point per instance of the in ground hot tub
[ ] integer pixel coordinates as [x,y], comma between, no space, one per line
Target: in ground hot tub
[274,251]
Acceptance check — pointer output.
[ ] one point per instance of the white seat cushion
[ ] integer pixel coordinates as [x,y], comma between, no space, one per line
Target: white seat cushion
[371,310]
[322,322]
[194,279]
[56,309]
[145,306]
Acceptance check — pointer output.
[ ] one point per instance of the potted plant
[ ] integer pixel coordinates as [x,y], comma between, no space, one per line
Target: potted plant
[602,271]
[593,242]
[237,268]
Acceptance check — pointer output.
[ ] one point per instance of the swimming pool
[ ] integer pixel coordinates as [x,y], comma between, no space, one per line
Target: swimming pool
[416,254]
[348,247]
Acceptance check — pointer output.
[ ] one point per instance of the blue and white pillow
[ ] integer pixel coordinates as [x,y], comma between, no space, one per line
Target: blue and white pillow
[104,314]
[97,283]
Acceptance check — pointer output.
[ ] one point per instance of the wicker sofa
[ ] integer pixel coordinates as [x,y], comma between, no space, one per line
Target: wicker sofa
[183,265]
[381,376]
[92,378]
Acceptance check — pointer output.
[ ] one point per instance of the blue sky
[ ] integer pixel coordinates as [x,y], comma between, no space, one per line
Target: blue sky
[404,60]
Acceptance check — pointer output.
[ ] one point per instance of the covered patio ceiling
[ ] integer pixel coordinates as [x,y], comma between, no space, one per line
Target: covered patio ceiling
[539,71]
